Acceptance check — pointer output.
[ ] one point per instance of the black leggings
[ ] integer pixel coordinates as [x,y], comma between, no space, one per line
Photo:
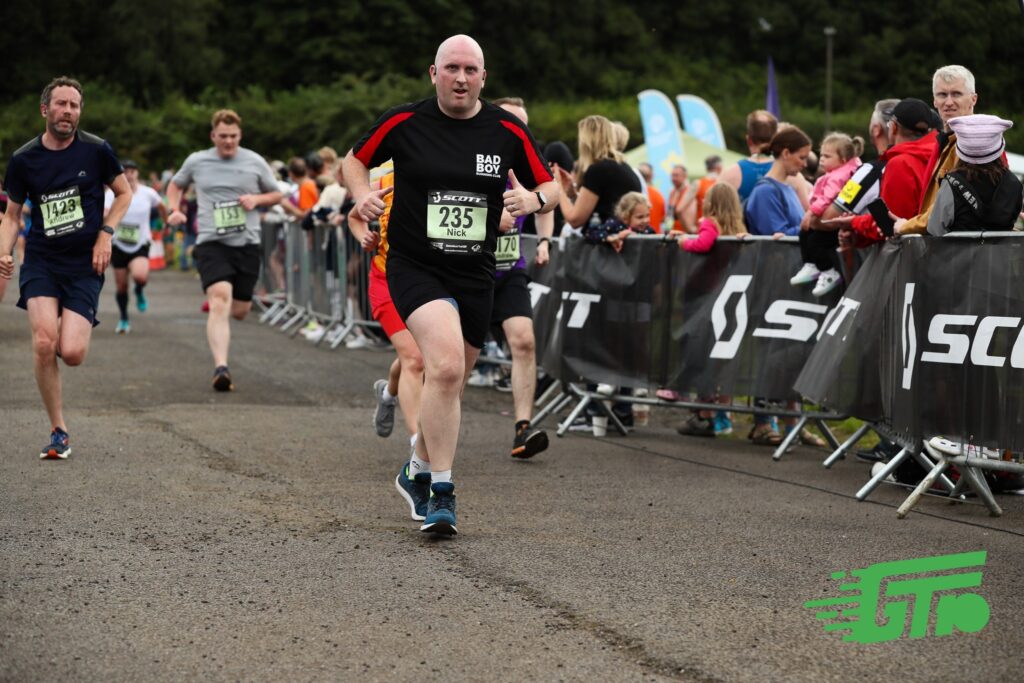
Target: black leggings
[819,247]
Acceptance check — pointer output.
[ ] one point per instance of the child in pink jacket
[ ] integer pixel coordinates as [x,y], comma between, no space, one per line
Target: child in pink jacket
[723,215]
[840,157]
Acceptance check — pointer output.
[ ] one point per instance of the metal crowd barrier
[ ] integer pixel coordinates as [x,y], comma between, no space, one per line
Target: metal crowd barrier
[914,447]
[325,281]
[568,392]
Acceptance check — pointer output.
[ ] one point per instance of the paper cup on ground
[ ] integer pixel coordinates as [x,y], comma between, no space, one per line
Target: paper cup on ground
[600,423]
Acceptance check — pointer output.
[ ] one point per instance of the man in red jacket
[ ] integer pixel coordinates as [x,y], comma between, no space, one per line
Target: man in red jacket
[913,132]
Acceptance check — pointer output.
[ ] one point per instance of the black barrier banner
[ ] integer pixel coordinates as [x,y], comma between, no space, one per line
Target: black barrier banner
[593,308]
[850,382]
[949,359]
[653,315]
[737,325]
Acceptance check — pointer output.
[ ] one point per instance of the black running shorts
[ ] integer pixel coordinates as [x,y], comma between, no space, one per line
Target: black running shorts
[412,286]
[240,266]
[79,293]
[511,297]
[120,258]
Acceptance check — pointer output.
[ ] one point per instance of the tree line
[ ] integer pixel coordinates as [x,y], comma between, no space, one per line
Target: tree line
[307,74]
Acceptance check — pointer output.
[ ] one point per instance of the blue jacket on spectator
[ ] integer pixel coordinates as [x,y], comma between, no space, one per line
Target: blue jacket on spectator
[773,207]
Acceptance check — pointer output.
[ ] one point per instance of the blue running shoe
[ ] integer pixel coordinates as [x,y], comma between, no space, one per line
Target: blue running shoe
[122,327]
[441,510]
[141,301]
[723,425]
[58,448]
[416,491]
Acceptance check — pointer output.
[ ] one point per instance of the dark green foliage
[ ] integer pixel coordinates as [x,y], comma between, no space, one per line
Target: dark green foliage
[307,74]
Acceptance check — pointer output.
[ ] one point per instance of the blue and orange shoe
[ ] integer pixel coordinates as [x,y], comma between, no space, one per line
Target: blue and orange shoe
[59,447]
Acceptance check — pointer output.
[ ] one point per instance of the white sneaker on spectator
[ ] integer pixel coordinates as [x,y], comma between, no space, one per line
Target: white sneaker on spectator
[806,275]
[827,281]
[877,467]
[333,335]
[314,334]
[359,342]
[479,378]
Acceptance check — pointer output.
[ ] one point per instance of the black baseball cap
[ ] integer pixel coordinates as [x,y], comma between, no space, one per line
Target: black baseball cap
[914,114]
[128,163]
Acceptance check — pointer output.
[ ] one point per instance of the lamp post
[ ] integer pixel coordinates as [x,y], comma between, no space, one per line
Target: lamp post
[830,31]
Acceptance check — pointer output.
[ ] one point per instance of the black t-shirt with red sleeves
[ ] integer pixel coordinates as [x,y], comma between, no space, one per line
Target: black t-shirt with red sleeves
[449,180]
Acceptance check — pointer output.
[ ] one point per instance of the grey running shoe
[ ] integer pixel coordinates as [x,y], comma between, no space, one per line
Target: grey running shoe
[384,415]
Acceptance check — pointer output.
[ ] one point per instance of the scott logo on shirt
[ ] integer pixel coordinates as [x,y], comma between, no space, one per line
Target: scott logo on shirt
[488,165]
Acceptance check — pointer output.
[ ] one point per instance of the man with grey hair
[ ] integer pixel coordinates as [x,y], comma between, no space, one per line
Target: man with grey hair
[955,95]
[453,155]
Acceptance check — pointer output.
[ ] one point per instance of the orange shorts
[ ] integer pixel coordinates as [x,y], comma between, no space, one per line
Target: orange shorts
[383,308]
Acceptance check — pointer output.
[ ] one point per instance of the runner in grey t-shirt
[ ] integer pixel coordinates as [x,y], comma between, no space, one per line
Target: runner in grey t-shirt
[231,183]
[220,183]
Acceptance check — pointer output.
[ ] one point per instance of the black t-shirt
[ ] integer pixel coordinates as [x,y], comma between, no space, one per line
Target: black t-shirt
[66,189]
[609,180]
[449,180]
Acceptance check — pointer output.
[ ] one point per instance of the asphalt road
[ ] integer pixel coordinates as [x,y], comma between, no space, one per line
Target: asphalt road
[258,536]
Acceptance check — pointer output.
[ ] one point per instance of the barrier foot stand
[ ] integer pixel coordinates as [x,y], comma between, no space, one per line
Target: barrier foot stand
[552,406]
[307,318]
[329,327]
[976,481]
[299,317]
[827,433]
[285,311]
[787,443]
[889,468]
[957,494]
[272,311]
[552,390]
[613,419]
[564,425]
[349,326]
[840,452]
[925,484]
[927,463]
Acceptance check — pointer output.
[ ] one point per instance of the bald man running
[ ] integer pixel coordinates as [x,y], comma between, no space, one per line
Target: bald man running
[453,154]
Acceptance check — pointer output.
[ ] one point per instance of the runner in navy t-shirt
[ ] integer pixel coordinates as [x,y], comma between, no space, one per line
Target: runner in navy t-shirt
[63,172]
[452,154]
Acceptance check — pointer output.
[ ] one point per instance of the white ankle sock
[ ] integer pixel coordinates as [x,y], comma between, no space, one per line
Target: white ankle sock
[441,477]
[417,466]
[387,397]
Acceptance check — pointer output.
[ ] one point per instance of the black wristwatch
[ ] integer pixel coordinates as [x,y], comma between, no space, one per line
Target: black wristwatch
[542,198]
[544,239]
[107,229]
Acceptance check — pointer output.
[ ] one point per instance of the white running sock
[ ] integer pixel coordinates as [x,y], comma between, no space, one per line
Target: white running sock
[441,477]
[417,466]
[387,397]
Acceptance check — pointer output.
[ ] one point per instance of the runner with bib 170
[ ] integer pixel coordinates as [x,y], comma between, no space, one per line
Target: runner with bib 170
[453,154]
